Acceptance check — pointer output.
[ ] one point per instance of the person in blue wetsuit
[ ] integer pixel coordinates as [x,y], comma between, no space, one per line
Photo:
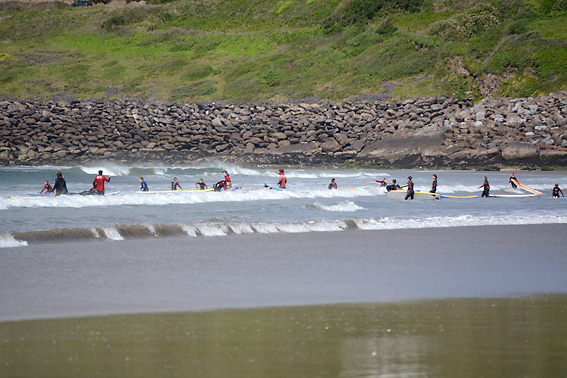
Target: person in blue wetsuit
[486,188]
[143,185]
[333,184]
[410,189]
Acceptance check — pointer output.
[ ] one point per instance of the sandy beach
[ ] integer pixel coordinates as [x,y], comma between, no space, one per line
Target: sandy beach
[244,271]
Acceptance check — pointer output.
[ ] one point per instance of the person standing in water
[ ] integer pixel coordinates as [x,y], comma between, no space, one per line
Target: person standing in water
[60,186]
[201,185]
[513,181]
[333,184]
[433,184]
[227,182]
[486,188]
[175,184]
[282,183]
[99,180]
[556,191]
[46,188]
[410,189]
[143,185]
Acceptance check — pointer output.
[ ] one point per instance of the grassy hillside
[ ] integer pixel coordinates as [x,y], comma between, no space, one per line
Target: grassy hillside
[243,50]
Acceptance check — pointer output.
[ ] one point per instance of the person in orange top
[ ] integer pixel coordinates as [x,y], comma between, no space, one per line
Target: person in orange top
[99,183]
[282,180]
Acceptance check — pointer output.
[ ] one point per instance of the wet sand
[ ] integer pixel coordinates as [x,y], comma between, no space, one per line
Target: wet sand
[247,271]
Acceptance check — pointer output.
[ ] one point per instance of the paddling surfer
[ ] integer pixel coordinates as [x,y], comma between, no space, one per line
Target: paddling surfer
[46,188]
[513,181]
[60,186]
[333,184]
[98,183]
[486,188]
[410,189]
[556,191]
[433,184]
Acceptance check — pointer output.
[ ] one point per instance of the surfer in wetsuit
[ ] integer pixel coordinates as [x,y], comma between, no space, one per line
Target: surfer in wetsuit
[392,186]
[143,185]
[219,186]
[99,183]
[333,184]
[46,188]
[382,182]
[282,180]
[410,189]
[513,181]
[175,184]
[227,182]
[486,188]
[433,184]
[556,191]
[201,185]
[60,186]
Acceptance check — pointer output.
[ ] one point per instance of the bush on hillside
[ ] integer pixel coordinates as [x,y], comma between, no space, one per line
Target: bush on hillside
[362,11]
[462,26]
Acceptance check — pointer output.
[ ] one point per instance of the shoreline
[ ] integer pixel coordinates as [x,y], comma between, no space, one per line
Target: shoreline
[259,271]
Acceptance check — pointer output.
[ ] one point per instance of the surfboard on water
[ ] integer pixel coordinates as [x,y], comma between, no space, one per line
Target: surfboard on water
[512,195]
[273,187]
[451,196]
[175,191]
[358,187]
[37,195]
[400,195]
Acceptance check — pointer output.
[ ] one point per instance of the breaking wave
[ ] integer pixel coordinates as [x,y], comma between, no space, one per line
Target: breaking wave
[217,228]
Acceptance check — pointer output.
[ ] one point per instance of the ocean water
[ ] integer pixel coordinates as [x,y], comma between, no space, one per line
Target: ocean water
[307,205]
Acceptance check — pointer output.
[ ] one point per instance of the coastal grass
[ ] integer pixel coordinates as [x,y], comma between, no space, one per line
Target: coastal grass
[278,50]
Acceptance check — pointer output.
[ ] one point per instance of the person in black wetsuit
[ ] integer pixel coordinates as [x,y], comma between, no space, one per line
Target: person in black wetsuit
[513,181]
[382,182]
[392,186]
[60,186]
[486,188]
[433,184]
[219,186]
[410,189]
[201,185]
[556,191]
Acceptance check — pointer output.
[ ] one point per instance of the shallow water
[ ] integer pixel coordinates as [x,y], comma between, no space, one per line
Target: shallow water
[514,337]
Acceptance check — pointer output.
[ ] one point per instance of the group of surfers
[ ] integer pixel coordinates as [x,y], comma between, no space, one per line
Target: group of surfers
[60,186]
[485,186]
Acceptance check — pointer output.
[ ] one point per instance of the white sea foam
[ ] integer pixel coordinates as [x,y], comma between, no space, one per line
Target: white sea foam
[346,206]
[190,230]
[212,229]
[8,241]
[107,169]
[112,233]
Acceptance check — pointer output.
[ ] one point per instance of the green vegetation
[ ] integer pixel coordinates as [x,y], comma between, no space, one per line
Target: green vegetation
[240,50]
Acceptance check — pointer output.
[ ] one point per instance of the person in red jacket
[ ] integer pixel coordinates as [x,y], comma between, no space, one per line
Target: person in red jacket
[99,183]
[282,183]
[46,188]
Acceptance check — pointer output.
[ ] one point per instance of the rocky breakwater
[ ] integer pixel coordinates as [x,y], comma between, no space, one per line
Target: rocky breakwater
[422,132]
